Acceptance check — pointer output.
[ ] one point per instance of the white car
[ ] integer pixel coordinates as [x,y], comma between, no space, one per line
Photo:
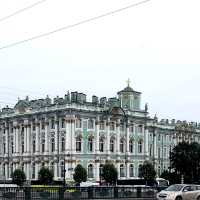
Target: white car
[180,192]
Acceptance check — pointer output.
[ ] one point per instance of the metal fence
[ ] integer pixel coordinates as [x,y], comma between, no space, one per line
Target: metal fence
[75,193]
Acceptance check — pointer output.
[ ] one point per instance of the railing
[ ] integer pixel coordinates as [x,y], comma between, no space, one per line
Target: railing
[75,193]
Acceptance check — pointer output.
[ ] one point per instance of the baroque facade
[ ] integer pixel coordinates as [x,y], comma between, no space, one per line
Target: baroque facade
[64,132]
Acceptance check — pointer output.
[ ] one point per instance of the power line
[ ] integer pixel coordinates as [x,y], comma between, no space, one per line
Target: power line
[73,25]
[21,10]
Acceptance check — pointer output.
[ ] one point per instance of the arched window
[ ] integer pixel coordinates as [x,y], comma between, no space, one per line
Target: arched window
[62,169]
[122,171]
[90,171]
[131,145]
[12,147]
[90,144]
[22,141]
[4,170]
[52,144]
[33,171]
[43,145]
[122,145]
[33,146]
[51,167]
[63,144]
[140,170]
[140,146]
[112,145]
[100,170]
[101,144]
[11,170]
[131,170]
[78,144]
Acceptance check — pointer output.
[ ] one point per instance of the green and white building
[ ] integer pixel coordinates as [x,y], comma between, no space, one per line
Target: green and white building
[64,132]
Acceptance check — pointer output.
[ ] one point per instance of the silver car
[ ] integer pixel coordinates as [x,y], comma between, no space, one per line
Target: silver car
[180,192]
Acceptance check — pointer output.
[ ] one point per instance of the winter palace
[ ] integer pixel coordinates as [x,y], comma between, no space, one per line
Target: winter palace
[63,132]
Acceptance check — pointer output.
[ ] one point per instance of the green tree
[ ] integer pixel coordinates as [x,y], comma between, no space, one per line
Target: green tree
[18,177]
[172,177]
[80,174]
[109,173]
[185,160]
[147,171]
[45,176]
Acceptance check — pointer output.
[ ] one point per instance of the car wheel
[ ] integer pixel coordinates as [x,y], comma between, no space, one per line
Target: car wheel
[178,198]
[198,198]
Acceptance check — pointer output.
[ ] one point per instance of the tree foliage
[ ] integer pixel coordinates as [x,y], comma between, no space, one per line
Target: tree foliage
[45,176]
[147,171]
[185,160]
[18,177]
[109,173]
[172,177]
[80,174]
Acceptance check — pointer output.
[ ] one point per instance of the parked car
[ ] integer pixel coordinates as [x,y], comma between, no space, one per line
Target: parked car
[180,192]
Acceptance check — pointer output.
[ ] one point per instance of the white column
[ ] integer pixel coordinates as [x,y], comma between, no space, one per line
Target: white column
[127,171]
[108,136]
[127,139]
[17,140]
[97,136]
[29,139]
[6,134]
[97,165]
[37,142]
[67,135]
[55,170]
[146,142]
[56,135]
[73,135]
[14,140]
[46,136]
[28,171]
[155,144]
[36,170]
[118,136]
[25,139]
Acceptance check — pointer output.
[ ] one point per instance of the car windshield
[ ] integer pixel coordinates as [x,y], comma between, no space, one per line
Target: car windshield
[163,183]
[174,188]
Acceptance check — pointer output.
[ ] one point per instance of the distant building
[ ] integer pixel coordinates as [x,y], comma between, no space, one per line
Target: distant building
[47,132]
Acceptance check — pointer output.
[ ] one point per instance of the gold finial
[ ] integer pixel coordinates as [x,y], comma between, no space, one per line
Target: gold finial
[128,82]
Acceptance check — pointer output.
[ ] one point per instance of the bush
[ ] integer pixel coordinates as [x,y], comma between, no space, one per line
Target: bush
[45,176]
[18,177]
[80,174]
[109,173]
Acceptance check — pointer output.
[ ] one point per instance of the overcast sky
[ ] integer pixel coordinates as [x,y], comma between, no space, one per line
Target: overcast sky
[156,44]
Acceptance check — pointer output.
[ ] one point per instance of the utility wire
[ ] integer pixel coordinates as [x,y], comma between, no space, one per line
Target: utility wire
[21,10]
[73,25]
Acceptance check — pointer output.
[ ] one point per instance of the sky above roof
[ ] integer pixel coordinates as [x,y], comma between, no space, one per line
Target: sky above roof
[156,44]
